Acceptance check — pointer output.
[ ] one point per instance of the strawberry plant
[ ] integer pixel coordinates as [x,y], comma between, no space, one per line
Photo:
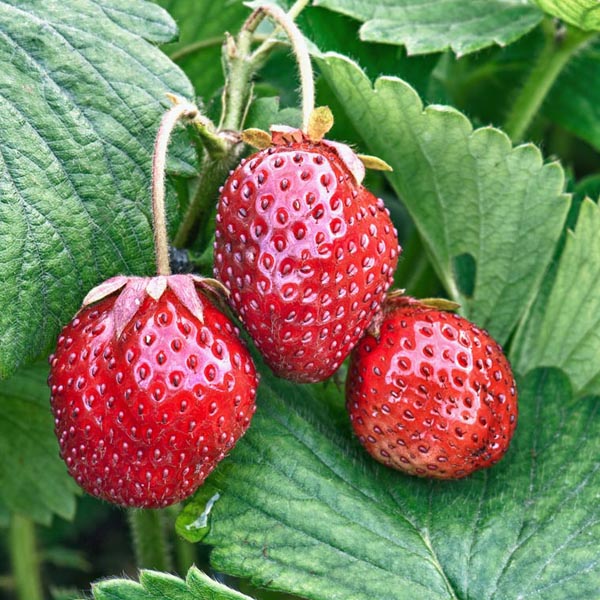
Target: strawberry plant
[128,127]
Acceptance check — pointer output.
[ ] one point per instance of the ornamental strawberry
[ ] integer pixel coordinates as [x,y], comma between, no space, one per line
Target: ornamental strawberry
[305,250]
[150,388]
[432,395]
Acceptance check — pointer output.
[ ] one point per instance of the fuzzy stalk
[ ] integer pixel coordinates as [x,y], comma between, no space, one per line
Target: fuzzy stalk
[149,539]
[241,65]
[201,207]
[557,52]
[300,49]
[24,558]
[159,164]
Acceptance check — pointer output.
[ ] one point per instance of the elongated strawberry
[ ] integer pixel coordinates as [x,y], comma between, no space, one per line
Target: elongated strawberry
[306,251]
[433,395]
[151,387]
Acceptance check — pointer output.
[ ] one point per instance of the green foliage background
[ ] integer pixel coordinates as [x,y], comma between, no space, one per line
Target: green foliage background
[298,507]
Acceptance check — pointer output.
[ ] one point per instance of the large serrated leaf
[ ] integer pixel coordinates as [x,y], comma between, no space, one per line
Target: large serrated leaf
[81,96]
[462,25]
[563,328]
[489,214]
[584,14]
[158,586]
[33,479]
[300,507]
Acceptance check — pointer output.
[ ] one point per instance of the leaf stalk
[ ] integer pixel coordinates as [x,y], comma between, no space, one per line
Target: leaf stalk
[560,47]
[181,110]
[24,558]
[149,538]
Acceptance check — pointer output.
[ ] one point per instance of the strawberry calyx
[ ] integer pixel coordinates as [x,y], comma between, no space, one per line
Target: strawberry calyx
[320,122]
[134,290]
[397,299]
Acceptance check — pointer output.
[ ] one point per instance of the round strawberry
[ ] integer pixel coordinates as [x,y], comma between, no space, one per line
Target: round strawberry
[432,395]
[306,251]
[151,386]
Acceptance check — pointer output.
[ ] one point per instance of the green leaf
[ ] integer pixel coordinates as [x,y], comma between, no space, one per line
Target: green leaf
[4,515]
[265,112]
[589,186]
[301,508]
[202,25]
[562,330]
[584,14]
[158,586]
[82,93]
[33,479]
[490,215]
[66,593]
[334,32]
[462,25]
[481,85]
[574,101]
[61,556]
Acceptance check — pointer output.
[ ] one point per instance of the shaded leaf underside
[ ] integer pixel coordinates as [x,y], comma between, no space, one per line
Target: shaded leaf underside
[563,329]
[462,25]
[33,479]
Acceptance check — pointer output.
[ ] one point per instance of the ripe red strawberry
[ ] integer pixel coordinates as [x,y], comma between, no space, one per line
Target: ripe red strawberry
[151,387]
[433,395]
[306,251]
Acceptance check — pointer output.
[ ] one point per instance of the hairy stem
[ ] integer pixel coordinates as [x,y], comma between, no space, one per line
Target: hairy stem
[285,20]
[238,78]
[558,50]
[149,539]
[209,43]
[271,40]
[199,211]
[24,558]
[241,65]
[159,163]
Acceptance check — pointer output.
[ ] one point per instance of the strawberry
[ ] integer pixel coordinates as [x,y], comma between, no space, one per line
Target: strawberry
[306,251]
[150,387]
[432,395]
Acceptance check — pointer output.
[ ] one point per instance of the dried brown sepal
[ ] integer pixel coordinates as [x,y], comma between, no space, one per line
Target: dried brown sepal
[374,327]
[397,298]
[284,135]
[440,304]
[319,124]
[211,285]
[374,163]
[257,138]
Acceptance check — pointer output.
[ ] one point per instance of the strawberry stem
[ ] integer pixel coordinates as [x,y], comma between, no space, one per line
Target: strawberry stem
[300,49]
[24,558]
[181,110]
[149,537]
[240,66]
